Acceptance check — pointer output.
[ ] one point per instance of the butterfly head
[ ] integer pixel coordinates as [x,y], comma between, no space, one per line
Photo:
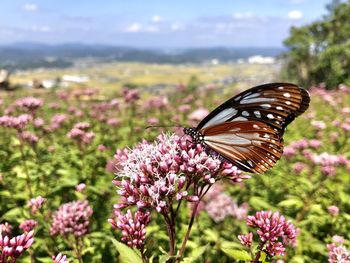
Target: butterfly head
[197,137]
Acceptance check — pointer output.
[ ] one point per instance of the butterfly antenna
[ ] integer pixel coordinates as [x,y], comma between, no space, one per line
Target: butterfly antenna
[164,126]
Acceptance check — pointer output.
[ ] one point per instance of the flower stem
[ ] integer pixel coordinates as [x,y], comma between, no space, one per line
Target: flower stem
[257,257]
[171,232]
[77,250]
[183,246]
[29,186]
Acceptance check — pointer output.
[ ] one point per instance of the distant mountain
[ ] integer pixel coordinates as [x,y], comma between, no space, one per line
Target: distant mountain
[34,55]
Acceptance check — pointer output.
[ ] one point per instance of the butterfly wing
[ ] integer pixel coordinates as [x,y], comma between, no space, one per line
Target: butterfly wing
[276,104]
[250,145]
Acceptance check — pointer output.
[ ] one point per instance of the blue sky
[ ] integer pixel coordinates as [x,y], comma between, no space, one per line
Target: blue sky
[156,23]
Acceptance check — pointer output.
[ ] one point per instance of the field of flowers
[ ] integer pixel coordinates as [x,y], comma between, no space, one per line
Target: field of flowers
[82,179]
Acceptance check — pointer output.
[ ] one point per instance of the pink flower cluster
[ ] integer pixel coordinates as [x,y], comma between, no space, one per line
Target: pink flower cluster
[18,123]
[337,253]
[56,121]
[15,247]
[28,225]
[133,226]
[29,137]
[29,103]
[80,133]
[131,95]
[71,218]
[292,149]
[60,258]
[274,232]
[36,203]
[220,205]
[153,175]
[5,229]
[329,162]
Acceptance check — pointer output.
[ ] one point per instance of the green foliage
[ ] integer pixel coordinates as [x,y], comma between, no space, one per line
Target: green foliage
[320,52]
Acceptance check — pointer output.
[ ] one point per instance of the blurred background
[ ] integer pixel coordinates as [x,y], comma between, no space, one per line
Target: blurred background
[157,44]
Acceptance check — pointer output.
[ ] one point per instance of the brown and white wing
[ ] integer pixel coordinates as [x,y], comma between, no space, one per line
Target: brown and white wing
[252,146]
[276,104]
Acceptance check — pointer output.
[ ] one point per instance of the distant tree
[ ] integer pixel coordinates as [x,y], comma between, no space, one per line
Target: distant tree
[320,52]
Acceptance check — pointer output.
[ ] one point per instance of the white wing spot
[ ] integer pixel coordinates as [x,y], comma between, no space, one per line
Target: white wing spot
[257,114]
[280,88]
[270,116]
[250,163]
[266,136]
[256,126]
[247,101]
[254,95]
[240,119]
[288,102]
[265,106]
[245,113]
[238,98]
[287,95]
[279,108]
[221,117]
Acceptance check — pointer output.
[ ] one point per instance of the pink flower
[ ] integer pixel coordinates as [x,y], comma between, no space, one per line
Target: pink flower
[198,114]
[274,231]
[28,225]
[71,218]
[16,246]
[80,187]
[153,121]
[152,174]
[338,254]
[39,122]
[220,206]
[18,123]
[60,258]
[82,126]
[28,137]
[333,210]
[338,239]
[133,226]
[101,148]
[319,125]
[131,95]
[246,240]
[29,103]
[5,229]
[113,122]
[36,203]
[298,167]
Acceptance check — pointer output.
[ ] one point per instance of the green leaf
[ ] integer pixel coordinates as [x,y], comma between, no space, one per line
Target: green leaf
[164,258]
[211,235]
[14,214]
[237,254]
[44,260]
[195,254]
[288,203]
[259,204]
[126,254]
[262,256]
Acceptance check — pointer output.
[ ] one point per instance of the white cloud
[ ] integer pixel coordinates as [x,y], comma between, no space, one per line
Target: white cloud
[295,14]
[30,7]
[42,29]
[133,28]
[175,27]
[152,29]
[296,2]
[156,18]
[243,15]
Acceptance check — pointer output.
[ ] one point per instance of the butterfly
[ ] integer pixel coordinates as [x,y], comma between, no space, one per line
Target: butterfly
[248,129]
